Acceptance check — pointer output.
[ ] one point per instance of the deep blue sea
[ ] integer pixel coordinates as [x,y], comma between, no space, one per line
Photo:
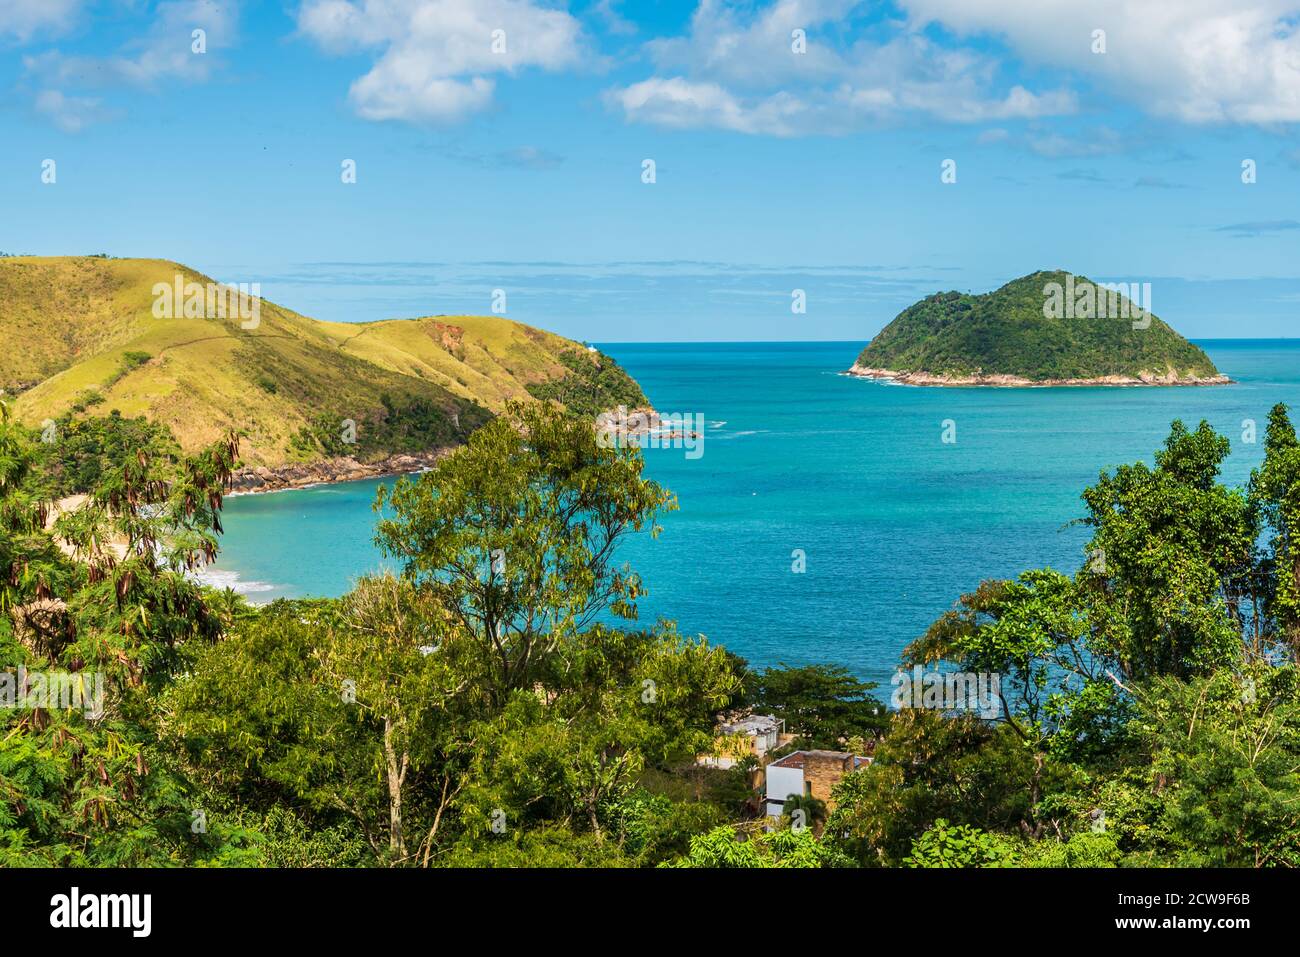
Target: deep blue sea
[893,522]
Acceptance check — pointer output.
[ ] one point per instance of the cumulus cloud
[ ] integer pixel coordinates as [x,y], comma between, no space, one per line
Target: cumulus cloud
[738,69]
[1199,61]
[679,103]
[436,58]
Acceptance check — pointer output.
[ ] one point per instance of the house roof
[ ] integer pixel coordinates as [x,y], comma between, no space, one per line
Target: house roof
[797,759]
[753,724]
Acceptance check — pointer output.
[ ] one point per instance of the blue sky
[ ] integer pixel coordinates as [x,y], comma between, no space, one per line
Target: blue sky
[521,168]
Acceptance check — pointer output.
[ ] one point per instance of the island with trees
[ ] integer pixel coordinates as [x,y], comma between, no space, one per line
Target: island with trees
[1044,329]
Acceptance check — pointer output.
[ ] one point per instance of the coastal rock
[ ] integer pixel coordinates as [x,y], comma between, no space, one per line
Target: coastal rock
[341,469]
[1167,378]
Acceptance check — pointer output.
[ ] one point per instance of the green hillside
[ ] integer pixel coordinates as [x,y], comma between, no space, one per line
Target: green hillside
[81,336]
[1006,333]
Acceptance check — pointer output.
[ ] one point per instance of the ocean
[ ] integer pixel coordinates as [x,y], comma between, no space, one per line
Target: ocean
[849,479]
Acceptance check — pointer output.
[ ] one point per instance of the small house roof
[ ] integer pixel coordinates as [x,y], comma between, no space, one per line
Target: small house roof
[797,759]
[751,724]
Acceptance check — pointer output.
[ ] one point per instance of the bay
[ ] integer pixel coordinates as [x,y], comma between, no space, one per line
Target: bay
[851,475]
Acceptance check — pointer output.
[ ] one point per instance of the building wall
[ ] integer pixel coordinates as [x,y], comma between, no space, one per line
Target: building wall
[781,783]
[824,774]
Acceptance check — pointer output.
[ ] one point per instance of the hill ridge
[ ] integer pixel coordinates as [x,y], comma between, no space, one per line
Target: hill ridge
[82,336]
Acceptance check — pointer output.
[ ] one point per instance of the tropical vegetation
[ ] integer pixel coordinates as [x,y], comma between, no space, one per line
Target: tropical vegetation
[496,700]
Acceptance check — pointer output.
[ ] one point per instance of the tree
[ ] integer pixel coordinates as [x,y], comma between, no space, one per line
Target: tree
[1224,755]
[729,847]
[928,767]
[1170,575]
[804,810]
[90,785]
[1034,633]
[1276,490]
[260,725]
[823,704]
[31,566]
[577,745]
[388,652]
[948,845]
[515,533]
[479,710]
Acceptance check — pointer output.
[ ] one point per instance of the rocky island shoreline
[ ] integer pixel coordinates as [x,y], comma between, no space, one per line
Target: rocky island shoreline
[1170,378]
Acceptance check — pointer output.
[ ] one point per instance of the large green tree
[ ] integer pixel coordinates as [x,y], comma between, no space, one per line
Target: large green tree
[824,705]
[515,536]
[1170,560]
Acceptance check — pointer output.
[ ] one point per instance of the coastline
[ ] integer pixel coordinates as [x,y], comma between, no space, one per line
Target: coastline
[263,479]
[999,380]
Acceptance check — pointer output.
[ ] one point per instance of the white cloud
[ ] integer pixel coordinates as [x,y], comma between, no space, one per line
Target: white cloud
[614,22]
[23,19]
[1200,61]
[165,52]
[436,57]
[679,103]
[69,113]
[736,69]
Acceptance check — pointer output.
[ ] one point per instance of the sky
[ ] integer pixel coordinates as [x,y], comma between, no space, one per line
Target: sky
[867,154]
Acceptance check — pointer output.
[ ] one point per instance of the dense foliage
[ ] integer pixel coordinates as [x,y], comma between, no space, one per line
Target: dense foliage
[823,705]
[76,454]
[497,702]
[595,383]
[1005,332]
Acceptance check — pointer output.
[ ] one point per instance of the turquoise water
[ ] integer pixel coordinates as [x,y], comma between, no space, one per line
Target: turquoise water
[894,523]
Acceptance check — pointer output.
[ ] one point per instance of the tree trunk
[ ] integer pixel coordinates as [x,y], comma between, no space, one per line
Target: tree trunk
[396,777]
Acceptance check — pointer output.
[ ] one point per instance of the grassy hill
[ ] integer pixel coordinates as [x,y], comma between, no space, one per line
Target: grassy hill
[81,337]
[1006,333]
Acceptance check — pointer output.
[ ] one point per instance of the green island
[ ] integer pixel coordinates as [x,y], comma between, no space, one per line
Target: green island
[495,701]
[1044,329]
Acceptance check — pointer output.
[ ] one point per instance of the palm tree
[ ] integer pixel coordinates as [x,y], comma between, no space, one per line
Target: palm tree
[804,810]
